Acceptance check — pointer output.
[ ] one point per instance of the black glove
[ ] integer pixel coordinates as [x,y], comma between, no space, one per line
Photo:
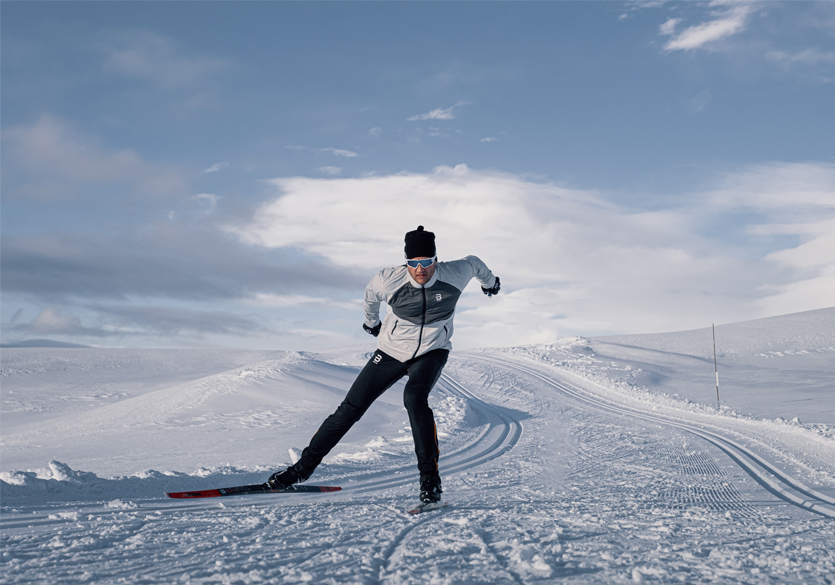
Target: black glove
[493,290]
[375,331]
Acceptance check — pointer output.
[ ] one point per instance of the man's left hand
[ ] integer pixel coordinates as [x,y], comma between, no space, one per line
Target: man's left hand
[493,290]
[375,331]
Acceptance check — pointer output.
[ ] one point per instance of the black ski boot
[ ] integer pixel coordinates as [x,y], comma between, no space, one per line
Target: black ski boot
[430,488]
[281,480]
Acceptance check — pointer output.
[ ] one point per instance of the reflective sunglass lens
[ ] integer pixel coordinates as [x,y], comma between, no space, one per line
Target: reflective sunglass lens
[426,263]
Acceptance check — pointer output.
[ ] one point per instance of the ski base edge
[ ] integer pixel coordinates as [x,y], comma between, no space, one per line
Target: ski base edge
[243,490]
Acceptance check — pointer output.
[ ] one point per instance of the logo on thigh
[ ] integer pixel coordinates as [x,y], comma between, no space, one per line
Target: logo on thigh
[377,358]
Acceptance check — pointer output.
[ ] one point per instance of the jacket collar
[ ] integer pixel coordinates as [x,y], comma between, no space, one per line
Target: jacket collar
[430,283]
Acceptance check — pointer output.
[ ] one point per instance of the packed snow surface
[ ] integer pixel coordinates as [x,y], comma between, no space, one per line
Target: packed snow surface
[583,460]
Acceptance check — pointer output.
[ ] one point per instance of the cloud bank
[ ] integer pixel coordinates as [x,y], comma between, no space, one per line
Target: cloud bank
[572,262]
[757,241]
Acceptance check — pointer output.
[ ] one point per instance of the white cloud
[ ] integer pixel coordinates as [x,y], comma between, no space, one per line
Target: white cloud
[331,170]
[816,251]
[330,150]
[489,139]
[16,316]
[376,131]
[804,293]
[217,167]
[808,57]
[796,200]
[60,161]
[285,301]
[338,152]
[56,322]
[314,333]
[668,28]
[699,102]
[438,114]
[725,24]
[782,189]
[52,320]
[153,57]
[209,199]
[571,262]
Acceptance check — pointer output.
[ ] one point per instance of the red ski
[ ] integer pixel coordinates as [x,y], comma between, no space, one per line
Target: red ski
[261,488]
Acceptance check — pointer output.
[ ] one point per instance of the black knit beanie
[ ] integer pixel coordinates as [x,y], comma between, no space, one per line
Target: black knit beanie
[420,244]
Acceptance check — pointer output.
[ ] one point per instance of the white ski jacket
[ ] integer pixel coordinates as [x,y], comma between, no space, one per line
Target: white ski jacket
[419,319]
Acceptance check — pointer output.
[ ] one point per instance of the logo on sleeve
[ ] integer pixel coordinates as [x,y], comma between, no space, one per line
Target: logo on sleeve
[438,297]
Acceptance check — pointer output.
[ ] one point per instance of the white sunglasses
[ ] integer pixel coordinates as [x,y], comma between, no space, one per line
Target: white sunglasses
[426,262]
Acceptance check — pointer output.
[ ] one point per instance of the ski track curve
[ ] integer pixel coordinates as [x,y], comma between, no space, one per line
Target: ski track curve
[502,431]
[767,475]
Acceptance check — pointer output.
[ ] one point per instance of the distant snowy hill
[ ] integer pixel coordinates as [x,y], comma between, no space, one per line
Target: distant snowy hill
[808,332]
[781,367]
[42,343]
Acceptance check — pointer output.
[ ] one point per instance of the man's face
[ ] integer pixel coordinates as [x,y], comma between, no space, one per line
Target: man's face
[420,274]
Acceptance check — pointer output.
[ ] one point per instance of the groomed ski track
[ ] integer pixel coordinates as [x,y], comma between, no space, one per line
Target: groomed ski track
[501,431]
[776,481]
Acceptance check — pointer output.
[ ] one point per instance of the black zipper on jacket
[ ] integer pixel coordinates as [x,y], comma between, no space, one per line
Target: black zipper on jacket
[422,322]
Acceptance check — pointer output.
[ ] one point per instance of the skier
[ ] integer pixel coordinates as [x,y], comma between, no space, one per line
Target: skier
[413,341]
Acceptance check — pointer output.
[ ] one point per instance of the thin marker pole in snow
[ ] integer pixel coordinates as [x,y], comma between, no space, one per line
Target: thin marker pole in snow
[715,368]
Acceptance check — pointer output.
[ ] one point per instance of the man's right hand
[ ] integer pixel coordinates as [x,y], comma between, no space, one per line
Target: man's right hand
[375,331]
[493,290]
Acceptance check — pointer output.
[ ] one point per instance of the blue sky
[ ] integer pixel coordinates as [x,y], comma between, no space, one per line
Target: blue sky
[225,174]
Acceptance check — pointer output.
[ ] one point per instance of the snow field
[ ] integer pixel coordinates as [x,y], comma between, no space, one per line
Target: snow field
[636,506]
[580,461]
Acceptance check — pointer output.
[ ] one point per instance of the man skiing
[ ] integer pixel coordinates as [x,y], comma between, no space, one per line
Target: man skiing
[413,341]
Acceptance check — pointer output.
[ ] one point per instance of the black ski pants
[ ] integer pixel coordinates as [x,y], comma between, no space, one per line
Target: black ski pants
[378,375]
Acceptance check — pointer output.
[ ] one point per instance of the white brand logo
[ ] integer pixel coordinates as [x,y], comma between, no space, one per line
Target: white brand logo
[438,296]
[377,358]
